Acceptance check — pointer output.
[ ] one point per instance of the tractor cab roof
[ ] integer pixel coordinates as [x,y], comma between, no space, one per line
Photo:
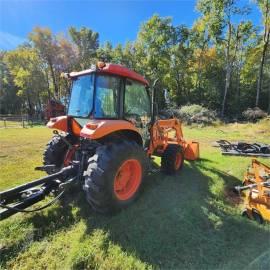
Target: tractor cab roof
[113,69]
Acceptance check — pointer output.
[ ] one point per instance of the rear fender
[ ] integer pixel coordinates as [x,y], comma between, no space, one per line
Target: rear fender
[98,129]
[129,135]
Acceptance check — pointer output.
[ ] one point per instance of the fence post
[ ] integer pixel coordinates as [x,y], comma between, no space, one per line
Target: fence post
[5,123]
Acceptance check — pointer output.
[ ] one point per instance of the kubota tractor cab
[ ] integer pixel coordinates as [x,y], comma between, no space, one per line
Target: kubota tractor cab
[111,128]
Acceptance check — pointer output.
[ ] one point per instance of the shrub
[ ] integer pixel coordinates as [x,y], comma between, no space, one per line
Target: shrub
[196,114]
[253,114]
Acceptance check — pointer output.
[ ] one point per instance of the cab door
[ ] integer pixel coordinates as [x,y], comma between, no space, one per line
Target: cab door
[137,107]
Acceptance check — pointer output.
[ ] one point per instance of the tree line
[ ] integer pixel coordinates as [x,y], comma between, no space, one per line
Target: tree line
[221,62]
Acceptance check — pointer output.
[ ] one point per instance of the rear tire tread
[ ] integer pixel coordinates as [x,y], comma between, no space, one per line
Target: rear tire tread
[102,167]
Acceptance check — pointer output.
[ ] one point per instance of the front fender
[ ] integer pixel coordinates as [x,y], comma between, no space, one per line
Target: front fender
[60,123]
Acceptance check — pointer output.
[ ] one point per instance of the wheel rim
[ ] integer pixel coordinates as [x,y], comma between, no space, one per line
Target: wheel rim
[178,161]
[128,179]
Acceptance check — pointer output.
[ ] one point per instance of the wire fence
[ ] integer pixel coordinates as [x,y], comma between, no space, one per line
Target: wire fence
[19,121]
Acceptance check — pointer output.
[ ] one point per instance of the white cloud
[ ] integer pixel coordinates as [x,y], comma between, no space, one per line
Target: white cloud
[9,41]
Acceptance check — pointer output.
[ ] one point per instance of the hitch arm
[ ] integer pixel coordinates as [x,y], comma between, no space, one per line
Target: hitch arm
[69,170]
[25,195]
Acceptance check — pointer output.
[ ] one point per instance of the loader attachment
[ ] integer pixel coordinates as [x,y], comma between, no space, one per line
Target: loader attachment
[256,190]
[168,132]
[19,198]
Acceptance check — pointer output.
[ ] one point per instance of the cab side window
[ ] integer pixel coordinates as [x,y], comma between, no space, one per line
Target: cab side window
[137,102]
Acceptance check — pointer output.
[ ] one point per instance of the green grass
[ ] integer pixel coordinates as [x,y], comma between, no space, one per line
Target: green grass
[185,221]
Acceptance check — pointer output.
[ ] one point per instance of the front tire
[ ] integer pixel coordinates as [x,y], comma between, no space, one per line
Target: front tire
[54,153]
[172,159]
[114,176]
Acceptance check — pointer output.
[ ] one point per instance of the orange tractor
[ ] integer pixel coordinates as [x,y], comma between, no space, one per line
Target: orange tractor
[106,142]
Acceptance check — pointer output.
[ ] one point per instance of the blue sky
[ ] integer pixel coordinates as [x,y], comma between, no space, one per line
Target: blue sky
[115,21]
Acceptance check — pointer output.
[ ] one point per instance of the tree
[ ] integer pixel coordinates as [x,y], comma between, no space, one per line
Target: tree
[87,44]
[9,101]
[105,52]
[24,65]
[118,54]
[220,62]
[199,39]
[47,47]
[219,14]
[66,61]
[152,49]
[179,76]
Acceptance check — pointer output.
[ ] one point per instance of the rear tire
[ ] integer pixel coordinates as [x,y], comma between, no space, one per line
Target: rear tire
[54,153]
[107,168]
[172,159]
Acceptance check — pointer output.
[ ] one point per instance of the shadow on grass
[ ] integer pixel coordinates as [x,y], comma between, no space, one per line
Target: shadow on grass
[178,223]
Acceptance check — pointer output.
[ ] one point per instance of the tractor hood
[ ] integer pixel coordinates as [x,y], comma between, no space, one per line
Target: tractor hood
[66,124]
[59,123]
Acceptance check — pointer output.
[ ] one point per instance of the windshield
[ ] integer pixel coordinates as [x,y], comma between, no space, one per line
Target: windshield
[81,100]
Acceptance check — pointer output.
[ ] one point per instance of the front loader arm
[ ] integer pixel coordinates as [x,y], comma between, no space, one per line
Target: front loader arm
[165,132]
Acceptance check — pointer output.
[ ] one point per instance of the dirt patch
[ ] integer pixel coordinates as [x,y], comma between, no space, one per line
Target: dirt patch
[233,196]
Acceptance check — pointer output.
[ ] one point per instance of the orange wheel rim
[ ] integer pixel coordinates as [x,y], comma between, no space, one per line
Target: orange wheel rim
[127,179]
[178,161]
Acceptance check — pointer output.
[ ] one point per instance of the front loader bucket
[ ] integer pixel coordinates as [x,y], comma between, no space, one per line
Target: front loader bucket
[192,150]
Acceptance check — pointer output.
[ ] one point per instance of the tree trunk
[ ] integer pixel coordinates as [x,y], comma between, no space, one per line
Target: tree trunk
[54,80]
[227,85]
[260,76]
[48,85]
[198,83]
[30,107]
[239,46]
[185,90]
[199,75]
[178,91]
[265,46]
[238,93]
[228,71]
